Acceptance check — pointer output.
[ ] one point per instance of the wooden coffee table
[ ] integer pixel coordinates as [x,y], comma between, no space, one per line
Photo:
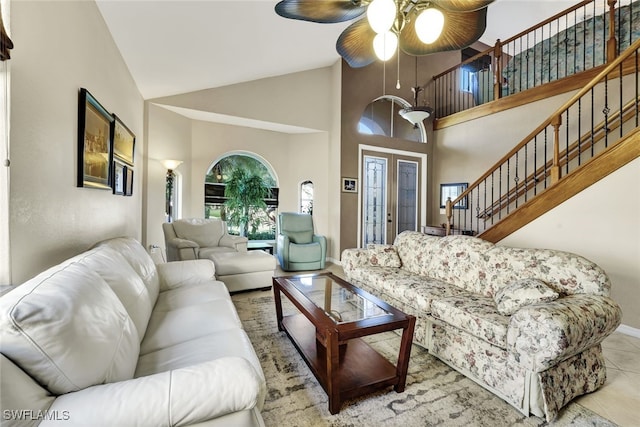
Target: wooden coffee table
[333,316]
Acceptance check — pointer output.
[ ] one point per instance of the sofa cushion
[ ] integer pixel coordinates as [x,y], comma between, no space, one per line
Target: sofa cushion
[192,294]
[124,281]
[67,329]
[384,256]
[205,232]
[299,237]
[416,250]
[311,252]
[167,328]
[565,272]
[139,259]
[521,293]
[459,261]
[474,314]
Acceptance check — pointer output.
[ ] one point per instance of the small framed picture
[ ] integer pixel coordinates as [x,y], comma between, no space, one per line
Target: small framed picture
[128,181]
[94,143]
[124,141]
[453,191]
[119,176]
[349,185]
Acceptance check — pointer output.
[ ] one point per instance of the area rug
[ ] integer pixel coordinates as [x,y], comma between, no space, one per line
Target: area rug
[436,395]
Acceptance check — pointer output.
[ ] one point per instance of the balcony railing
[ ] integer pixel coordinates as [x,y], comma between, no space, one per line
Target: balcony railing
[580,38]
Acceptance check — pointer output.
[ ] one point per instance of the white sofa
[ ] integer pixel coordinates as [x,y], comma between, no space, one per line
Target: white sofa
[107,338]
[524,323]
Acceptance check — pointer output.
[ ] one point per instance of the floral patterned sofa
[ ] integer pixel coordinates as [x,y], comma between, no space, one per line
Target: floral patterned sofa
[526,324]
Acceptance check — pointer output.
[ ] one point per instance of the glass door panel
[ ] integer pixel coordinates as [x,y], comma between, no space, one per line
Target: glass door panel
[374,200]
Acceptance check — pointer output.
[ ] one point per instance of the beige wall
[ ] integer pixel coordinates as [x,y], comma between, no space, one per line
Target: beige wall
[60,47]
[601,224]
[169,137]
[305,100]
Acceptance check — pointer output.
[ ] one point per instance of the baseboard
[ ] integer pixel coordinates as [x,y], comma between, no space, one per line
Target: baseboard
[333,261]
[628,330]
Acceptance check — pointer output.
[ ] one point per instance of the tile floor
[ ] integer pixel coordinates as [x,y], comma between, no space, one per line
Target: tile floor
[619,399]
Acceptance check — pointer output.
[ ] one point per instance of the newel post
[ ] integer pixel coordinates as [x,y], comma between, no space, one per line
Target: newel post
[449,212]
[497,77]
[556,122]
[612,43]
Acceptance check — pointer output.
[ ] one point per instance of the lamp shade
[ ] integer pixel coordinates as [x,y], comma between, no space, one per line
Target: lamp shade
[385,45]
[415,115]
[381,14]
[429,25]
[171,164]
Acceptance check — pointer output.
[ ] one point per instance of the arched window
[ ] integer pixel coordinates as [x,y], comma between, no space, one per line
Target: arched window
[381,117]
[256,222]
[306,197]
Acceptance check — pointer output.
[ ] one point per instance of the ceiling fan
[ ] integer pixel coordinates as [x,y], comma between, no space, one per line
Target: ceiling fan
[417,27]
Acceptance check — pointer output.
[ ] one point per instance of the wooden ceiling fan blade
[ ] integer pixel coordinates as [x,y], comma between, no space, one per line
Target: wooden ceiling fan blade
[355,44]
[462,5]
[461,29]
[321,11]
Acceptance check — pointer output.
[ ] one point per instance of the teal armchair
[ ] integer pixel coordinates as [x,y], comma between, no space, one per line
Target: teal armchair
[298,247]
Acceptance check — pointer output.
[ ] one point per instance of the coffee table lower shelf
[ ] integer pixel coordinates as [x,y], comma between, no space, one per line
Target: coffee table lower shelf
[361,369]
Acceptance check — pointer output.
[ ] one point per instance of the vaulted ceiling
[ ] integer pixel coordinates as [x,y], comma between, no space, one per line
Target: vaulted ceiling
[179,46]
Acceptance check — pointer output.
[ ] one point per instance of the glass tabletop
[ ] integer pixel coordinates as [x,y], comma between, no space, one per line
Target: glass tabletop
[341,304]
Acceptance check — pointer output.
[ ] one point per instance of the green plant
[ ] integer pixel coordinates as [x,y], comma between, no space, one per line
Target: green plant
[245,192]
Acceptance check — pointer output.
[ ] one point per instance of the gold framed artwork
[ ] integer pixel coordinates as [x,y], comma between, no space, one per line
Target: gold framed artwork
[124,141]
[94,143]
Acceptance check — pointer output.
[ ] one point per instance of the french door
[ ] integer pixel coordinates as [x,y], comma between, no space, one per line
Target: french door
[392,197]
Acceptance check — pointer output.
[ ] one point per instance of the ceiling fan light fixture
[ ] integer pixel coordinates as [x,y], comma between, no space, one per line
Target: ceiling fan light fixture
[381,15]
[385,45]
[429,25]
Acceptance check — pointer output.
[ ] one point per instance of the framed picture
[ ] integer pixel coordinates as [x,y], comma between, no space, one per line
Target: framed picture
[124,141]
[119,177]
[128,181]
[94,143]
[453,191]
[349,185]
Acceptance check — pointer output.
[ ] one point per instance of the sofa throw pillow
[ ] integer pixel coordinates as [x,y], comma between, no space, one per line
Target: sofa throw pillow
[521,293]
[383,256]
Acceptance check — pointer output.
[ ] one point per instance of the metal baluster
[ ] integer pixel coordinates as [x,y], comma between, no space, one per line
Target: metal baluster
[566,144]
[546,157]
[516,181]
[526,173]
[535,165]
[490,212]
[579,131]
[606,111]
[593,125]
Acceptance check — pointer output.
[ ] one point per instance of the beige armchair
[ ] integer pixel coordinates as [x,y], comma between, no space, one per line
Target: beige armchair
[196,238]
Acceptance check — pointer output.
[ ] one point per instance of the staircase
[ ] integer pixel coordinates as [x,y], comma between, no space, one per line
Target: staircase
[593,134]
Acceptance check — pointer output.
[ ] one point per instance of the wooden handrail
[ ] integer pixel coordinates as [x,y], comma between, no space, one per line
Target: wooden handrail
[553,117]
[597,134]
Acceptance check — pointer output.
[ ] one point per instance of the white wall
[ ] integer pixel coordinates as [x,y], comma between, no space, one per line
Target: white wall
[60,47]
[600,223]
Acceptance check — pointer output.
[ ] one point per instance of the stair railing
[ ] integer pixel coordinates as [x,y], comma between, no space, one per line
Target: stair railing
[594,119]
